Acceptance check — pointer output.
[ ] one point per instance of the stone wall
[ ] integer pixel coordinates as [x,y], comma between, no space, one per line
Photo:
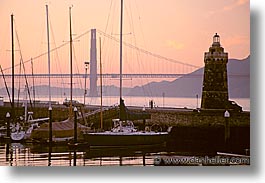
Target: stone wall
[197,119]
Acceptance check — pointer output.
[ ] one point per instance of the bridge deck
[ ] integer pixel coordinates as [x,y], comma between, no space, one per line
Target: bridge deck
[114,76]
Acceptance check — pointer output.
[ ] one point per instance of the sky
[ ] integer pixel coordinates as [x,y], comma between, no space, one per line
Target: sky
[176,29]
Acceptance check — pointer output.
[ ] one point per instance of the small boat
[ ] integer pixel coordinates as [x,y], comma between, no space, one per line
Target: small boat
[18,133]
[125,134]
[74,103]
[22,130]
[63,131]
[24,126]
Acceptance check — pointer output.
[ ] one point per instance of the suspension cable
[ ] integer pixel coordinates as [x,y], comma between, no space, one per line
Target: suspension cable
[147,52]
[6,85]
[21,59]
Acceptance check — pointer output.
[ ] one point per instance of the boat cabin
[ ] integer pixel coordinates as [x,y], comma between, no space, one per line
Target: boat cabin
[123,126]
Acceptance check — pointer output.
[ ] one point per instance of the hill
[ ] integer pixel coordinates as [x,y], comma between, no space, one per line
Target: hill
[190,85]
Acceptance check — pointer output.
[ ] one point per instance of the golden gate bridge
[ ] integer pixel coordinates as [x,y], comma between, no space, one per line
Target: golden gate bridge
[113,76]
[186,71]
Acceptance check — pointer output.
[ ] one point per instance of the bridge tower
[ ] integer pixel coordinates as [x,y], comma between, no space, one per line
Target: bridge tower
[215,87]
[93,64]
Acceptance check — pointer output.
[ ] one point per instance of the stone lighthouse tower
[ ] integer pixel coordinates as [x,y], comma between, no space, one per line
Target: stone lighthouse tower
[215,88]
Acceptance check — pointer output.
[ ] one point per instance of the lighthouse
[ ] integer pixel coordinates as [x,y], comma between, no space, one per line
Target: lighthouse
[215,87]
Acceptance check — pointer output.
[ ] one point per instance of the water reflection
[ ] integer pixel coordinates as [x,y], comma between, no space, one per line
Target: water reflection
[7,152]
[17,154]
[50,155]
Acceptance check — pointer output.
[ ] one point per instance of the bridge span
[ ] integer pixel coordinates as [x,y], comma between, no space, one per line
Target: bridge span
[115,76]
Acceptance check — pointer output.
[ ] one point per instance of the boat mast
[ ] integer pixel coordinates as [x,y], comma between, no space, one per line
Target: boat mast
[26,104]
[101,113]
[13,69]
[71,68]
[49,65]
[49,71]
[34,99]
[121,56]
[121,52]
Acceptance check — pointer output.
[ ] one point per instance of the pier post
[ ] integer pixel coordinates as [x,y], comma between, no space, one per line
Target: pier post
[85,93]
[75,125]
[143,158]
[144,121]
[50,124]
[50,154]
[8,125]
[7,152]
[7,135]
[74,158]
[227,128]
[120,160]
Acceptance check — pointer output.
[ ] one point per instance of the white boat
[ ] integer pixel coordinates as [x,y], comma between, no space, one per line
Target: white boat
[17,136]
[22,130]
[123,132]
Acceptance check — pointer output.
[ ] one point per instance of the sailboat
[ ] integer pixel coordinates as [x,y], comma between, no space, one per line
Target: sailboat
[62,131]
[20,128]
[23,129]
[123,132]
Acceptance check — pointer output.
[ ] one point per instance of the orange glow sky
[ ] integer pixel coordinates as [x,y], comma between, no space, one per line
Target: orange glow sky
[177,29]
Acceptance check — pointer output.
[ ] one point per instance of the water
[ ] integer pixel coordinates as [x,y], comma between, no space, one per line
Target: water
[17,154]
[144,101]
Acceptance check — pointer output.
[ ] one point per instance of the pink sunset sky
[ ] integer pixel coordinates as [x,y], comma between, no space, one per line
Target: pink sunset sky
[176,29]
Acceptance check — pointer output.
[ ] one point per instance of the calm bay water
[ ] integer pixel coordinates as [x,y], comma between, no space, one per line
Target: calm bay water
[17,154]
[144,101]
[141,101]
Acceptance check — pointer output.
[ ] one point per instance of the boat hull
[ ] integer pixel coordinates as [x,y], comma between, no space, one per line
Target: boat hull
[137,139]
[18,136]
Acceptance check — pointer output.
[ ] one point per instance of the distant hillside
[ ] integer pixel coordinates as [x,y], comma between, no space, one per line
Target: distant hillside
[42,90]
[191,85]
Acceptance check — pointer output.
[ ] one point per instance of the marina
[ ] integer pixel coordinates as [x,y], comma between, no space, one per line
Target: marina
[197,116]
[187,140]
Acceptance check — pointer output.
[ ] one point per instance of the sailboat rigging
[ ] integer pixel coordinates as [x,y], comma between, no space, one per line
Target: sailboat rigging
[23,127]
[7,91]
[17,134]
[71,67]
[33,83]
[62,131]
[13,70]
[49,72]
[121,26]
[24,69]
[123,132]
